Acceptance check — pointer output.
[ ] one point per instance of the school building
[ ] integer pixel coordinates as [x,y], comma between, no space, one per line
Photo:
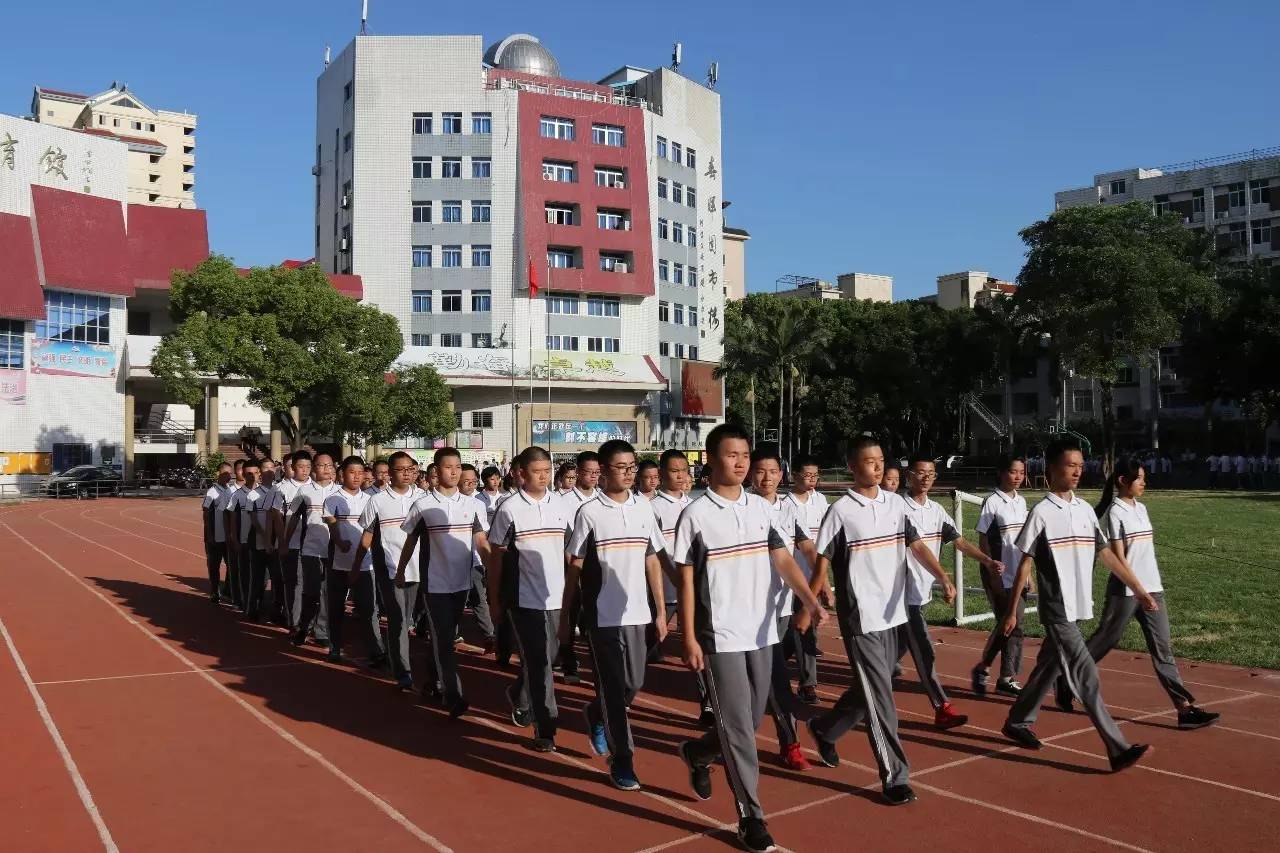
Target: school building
[455,178]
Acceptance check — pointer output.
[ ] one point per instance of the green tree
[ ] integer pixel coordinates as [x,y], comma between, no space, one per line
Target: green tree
[297,342]
[1109,283]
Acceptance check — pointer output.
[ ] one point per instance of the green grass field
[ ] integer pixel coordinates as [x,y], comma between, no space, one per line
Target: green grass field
[1219,555]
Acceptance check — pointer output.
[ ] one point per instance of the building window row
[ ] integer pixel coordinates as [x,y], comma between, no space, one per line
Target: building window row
[678,232]
[451,256]
[566,172]
[677,273]
[451,301]
[452,167]
[676,313]
[75,317]
[12,347]
[451,211]
[570,257]
[677,193]
[568,303]
[594,344]
[478,340]
[677,350]
[451,124]
[601,344]
[674,152]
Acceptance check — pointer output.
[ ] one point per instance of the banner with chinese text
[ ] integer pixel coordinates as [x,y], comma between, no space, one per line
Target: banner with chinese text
[70,358]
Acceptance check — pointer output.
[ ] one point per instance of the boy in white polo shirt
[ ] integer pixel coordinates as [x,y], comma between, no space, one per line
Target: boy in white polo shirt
[306,521]
[342,512]
[730,553]
[382,521]
[585,487]
[212,510]
[230,527]
[243,504]
[864,540]
[454,527]
[999,522]
[613,551]
[288,540]
[526,584]
[469,484]
[811,507]
[1060,539]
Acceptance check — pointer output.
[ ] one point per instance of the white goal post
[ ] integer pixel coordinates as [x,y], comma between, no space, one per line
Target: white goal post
[959,499]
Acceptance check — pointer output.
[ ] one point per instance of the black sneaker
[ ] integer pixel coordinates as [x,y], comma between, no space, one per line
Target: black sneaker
[377,662]
[1063,702]
[899,795]
[1192,717]
[1021,735]
[1129,757]
[520,717]
[707,717]
[459,708]
[897,670]
[826,749]
[699,775]
[978,680]
[1009,687]
[572,678]
[809,695]
[299,638]
[543,744]
[753,835]
[334,656]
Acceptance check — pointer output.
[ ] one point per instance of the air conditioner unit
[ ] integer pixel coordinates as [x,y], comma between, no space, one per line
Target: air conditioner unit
[343,244]
[622,185]
[346,202]
[626,225]
[620,266]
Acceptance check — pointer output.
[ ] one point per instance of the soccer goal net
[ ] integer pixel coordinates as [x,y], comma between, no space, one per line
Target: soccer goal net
[971,599]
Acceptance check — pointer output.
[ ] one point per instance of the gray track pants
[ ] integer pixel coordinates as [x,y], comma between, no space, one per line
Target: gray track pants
[913,636]
[480,594]
[1116,613]
[444,612]
[805,648]
[366,610]
[397,604]
[1009,648]
[738,685]
[618,655]
[783,702]
[870,697]
[314,611]
[1064,652]
[535,632]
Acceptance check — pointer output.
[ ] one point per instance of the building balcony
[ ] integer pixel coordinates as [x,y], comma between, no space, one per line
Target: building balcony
[560,89]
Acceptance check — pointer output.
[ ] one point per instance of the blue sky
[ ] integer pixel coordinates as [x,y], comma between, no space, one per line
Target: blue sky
[911,141]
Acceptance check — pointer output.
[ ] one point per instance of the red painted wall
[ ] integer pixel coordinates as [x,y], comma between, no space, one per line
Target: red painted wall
[634,198]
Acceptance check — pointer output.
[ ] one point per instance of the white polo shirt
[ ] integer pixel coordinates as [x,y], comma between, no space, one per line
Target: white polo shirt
[614,541]
[1000,520]
[727,542]
[314,533]
[787,521]
[1063,537]
[667,507]
[532,534]
[347,508]
[1132,525]
[385,516]
[809,513]
[866,541]
[243,503]
[447,525]
[936,528]
[262,510]
[215,501]
[573,499]
[286,492]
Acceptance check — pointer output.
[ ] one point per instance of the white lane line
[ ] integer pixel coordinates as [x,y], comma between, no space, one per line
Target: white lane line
[381,804]
[1236,788]
[173,672]
[82,788]
[133,518]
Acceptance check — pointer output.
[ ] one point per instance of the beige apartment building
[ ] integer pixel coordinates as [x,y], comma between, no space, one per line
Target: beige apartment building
[735,263]
[161,158]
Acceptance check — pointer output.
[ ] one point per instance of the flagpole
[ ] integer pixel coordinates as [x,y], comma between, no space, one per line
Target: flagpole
[533,295]
[548,361]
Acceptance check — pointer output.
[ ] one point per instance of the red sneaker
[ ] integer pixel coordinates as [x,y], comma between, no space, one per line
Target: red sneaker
[947,718]
[793,757]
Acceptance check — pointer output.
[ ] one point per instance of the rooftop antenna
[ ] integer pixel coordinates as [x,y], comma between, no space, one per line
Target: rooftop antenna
[364,17]
[677,52]
[713,75]
[326,56]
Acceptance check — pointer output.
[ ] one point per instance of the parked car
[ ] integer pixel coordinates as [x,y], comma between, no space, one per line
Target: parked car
[84,481]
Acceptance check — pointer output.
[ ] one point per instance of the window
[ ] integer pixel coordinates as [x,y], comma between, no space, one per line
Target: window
[662,188]
[481,256]
[1235,195]
[560,259]
[608,134]
[598,306]
[451,256]
[602,345]
[677,192]
[556,171]
[690,197]
[422,167]
[346,91]
[422,211]
[554,127]
[422,302]
[607,177]
[664,270]
[451,302]
[562,304]
[1260,191]
[346,143]
[677,153]
[451,167]
[677,273]
[481,123]
[692,232]
[693,316]
[481,167]
[663,229]
[1236,235]
[482,420]
[1162,205]
[1082,401]
[422,256]
[1197,201]
[1124,376]
[679,353]
[677,314]
[457,417]
[692,276]
[451,211]
[664,312]
[481,340]
[562,342]
[137,125]
[11,344]
[662,147]
[559,215]
[610,220]
[75,317]
[693,352]
[613,262]
[1262,232]
[420,340]
[1118,187]
[664,348]
[451,122]
[451,339]
[677,232]
[480,299]
[691,158]
[480,211]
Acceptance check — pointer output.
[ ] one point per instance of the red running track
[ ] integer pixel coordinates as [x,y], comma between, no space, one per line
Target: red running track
[141,717]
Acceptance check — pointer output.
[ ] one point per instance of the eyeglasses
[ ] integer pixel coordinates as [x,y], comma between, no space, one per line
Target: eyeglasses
[404,468]
[625,469]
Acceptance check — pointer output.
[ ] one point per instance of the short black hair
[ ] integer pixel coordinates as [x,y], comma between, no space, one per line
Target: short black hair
[668,455]
[300,456]
[238,464]
[350,462]
[467,466]
[431,466]
[222,465]
[1058,448]
[375,463]
[645,465]
[611,448]
[805,461]
[919,457]
[859,443]
[587,456]
[445,453]
[725,432]
[490,471]
[533,453]
[250,463]
[1006,460]
[762,454]
[399,454]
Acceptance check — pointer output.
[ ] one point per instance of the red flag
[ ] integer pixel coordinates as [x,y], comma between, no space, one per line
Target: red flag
[533,280]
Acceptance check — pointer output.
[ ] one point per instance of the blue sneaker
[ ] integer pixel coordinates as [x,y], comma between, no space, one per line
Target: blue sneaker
[595,734]
[623,777]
